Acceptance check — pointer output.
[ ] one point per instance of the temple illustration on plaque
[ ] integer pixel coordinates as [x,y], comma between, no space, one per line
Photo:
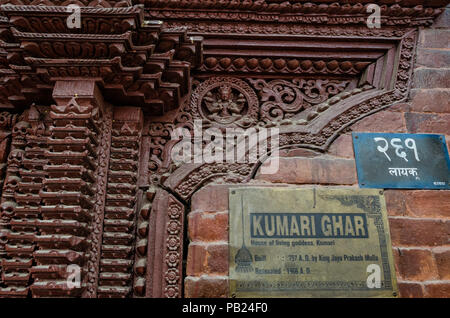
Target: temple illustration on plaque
[243,258]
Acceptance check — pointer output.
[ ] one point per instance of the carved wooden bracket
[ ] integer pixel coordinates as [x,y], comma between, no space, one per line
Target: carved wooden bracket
[134,61]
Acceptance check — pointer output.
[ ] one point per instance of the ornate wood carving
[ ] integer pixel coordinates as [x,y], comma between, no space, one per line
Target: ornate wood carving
[119,224]
[354,12]
[282,65]
[136,62]
[69,225]
[165,249]
[225,101]
[282,99]
[7,122]
[89,183]
[16,249]
[100,200]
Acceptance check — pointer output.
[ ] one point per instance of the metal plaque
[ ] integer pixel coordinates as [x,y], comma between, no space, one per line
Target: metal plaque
[408,161]
[300,242]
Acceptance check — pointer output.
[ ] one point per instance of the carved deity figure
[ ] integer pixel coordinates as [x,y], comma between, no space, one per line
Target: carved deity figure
[224,106]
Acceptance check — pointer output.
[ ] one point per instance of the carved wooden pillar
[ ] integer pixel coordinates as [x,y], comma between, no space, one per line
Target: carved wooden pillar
[164,275]
[19,202]
[7,121]
[74,189]
[120,224]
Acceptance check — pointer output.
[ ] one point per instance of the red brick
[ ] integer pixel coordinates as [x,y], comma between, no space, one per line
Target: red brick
[430,100]
[395,202]
[217,258]
[433,57]
[431,78]
[396,253]
[442,257]
[342,147]
[213,198]
[434,38]
[299,152]
[204,226]
[437,290]
[419,232]
[410,290]
[207,259]
[206,287]
[428,123]
[400,107]
[383,121]
[196,260]
[418,203]
[323,170]
[416,264]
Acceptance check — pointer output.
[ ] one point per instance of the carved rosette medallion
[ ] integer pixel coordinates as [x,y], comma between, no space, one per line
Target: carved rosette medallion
[225,101]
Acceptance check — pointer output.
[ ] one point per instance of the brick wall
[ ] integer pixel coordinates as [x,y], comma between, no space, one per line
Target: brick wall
[419,220]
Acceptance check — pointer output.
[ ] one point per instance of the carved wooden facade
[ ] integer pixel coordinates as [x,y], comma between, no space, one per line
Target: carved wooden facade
[88,115]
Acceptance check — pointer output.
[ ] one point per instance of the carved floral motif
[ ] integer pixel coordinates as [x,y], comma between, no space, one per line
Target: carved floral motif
[283,99]
[173,250]
[271,28]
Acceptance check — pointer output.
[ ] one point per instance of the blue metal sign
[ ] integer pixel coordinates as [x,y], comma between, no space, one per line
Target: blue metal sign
[405,161]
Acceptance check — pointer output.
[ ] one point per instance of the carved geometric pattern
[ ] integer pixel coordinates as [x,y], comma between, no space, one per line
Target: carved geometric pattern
[19,201]
[119,225]
[352,12]
[142,242]
[137,62]
[100,201]
[69,216]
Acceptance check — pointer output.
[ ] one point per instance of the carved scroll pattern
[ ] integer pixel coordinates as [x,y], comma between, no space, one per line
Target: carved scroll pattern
[399,93]
[282,99]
